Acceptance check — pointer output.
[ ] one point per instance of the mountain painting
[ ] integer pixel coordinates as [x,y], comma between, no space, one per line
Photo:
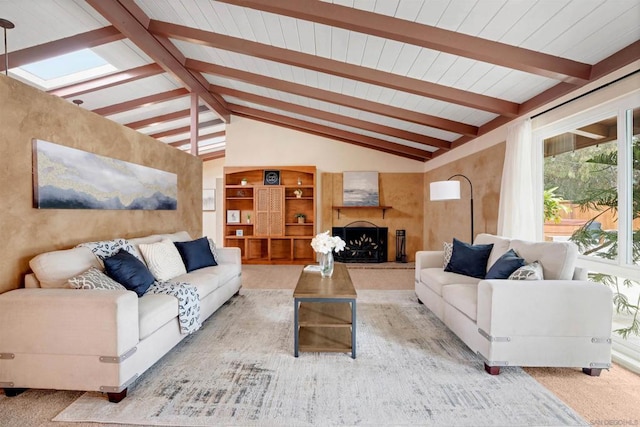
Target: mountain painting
[360,189]
[68,178]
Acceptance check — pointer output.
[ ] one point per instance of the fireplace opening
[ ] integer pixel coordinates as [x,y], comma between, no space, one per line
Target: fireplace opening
[365,242]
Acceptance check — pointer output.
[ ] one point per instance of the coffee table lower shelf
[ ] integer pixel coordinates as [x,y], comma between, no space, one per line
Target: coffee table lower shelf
[325,339]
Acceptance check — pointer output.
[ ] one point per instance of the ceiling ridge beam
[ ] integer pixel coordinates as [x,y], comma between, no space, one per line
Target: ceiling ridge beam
[108,81]
[185,129]
[425,36]
[200,138]
[131,21]
[63,46]
[336,118]
[335,98]
[144,101]
[163,118]
[336,134]
[337,68]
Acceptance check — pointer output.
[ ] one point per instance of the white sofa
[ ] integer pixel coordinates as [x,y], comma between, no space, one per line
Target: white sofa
[561,321]
[54,337]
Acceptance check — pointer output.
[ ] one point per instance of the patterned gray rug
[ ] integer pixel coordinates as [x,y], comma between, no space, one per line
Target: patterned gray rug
[410,370]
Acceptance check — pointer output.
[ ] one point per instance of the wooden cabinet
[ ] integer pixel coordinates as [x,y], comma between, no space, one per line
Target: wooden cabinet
[268,207]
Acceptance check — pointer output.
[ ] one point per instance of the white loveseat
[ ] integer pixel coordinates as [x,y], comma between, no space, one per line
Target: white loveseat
[561,321]
[54,337]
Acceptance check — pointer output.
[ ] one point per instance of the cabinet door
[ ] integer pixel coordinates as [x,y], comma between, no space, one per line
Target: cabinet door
[269,211]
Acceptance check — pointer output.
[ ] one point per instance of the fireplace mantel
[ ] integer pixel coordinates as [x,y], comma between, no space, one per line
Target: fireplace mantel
[382,208]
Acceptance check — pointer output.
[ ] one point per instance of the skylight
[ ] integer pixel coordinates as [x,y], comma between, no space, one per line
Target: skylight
[65,69]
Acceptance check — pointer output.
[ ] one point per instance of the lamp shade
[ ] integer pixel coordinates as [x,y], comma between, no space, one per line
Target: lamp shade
[444,190]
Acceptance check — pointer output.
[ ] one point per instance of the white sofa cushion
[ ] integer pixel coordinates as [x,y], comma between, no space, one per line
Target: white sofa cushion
[53,269]
[208,279]
[154,310]
[436,278]
[163,259]
[463,297]
[558,259]
[500,246]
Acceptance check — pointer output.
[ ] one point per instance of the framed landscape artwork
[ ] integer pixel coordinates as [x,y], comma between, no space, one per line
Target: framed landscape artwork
[360,189]
[209,199]
[68,178]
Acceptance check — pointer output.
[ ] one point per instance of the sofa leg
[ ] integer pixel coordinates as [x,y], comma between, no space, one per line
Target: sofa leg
[13,392]
[492,370]
[117,397]
[594,372]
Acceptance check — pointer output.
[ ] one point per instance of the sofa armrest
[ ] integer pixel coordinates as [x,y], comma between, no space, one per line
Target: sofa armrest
[227,255]
[544,308]
[428,259]
[68,321]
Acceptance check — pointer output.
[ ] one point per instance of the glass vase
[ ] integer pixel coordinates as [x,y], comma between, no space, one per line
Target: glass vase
[326,264]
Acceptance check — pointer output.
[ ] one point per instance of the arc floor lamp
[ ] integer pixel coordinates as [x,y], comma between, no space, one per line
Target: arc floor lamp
[450,190]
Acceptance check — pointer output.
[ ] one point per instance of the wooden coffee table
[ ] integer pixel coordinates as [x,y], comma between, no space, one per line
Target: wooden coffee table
[325,312]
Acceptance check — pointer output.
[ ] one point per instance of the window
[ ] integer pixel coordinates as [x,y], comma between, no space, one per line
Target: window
[591,182]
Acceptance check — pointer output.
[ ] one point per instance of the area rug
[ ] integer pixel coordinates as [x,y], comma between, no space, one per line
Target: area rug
[239,369]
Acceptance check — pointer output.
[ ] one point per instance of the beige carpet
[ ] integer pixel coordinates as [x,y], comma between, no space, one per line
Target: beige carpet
[611,399]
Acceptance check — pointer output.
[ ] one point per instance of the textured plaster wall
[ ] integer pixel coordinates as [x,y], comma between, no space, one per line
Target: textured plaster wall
[444,220]
[402,191]
[26,113]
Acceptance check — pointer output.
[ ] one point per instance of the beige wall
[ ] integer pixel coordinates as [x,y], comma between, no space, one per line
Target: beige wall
[26,113]
[444,220]
[212,171]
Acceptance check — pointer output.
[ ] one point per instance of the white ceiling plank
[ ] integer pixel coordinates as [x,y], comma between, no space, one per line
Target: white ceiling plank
[439,67]
[272,24]
[372,52]
[323,40]
[225,22]
[386,7]
[409,10]
[406,59]
[508,16]
[422,63]
[306,36]
[151,110]
[480,16]
[357,45]
[240,18]
[389,55]
[339,43]
[258,28]
[290,33]
[455,14]
[530,22]
[432,11]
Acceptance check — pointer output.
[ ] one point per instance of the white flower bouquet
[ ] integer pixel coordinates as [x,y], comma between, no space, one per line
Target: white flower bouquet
[324,243]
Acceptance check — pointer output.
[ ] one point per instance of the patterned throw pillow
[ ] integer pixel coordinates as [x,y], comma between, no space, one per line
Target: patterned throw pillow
[212,246]
[163,259]
[448,251]
[531,271]
[94,279]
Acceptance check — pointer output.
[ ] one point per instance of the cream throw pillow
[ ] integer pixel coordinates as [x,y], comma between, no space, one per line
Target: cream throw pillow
[163,259]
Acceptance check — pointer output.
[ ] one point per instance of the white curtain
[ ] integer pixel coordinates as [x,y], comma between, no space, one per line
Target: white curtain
[517,217]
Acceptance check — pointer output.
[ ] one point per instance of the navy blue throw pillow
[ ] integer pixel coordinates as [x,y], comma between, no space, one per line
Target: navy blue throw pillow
[470,260]
[129,271]
[505,265]
[196,254]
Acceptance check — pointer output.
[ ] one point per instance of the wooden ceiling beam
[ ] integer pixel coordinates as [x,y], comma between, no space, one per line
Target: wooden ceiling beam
[163,118]
[426,36]
[337,68]
[185,129]
[63,46]
[334,98]
[145,101]
[131,21]
[335,118]
[105,82]
[327,132]
[200,138]
[218,154]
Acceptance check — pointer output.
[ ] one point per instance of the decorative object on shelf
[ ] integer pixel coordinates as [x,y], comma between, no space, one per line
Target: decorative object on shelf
[244,181]
[324,244]
[271,177]
[298,193]
[301,217]
[239,233]
[208,199]
[450,190]
[233,216]
[360,189]
[240,193]
[299,181]
[248,218]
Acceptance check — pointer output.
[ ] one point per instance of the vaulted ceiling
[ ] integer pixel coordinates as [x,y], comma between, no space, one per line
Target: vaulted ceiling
[413,78]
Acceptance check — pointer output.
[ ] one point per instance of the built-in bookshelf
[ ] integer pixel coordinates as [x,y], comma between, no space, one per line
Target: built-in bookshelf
[262,207]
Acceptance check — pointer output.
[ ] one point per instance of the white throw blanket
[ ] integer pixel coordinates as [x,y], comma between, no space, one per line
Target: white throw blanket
[186,293]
